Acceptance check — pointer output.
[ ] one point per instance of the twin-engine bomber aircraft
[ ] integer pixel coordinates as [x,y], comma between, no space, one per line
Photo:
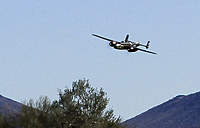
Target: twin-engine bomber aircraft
[126,44]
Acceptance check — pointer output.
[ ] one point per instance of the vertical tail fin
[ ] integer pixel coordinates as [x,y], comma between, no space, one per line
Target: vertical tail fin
[147,46]
[126,39]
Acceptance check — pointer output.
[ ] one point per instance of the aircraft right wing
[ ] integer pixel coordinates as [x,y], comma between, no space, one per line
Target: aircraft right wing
[104,38]
[146,51]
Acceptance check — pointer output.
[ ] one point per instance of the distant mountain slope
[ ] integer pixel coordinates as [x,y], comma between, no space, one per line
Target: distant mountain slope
[8,106]
[179,112]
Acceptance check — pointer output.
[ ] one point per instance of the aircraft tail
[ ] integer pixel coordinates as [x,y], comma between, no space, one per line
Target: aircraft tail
[126,39]
[147,46]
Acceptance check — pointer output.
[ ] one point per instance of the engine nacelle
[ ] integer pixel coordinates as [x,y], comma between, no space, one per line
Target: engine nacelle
[132,50]
[112,43]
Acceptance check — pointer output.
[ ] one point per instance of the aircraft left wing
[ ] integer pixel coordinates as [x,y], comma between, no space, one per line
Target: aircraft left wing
[146,51]
[104,38]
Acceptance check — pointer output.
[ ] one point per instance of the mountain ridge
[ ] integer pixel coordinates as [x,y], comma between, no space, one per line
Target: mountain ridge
[182,111]
[9,106]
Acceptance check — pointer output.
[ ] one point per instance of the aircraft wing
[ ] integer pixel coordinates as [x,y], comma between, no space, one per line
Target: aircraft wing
[146,51]
[104,38]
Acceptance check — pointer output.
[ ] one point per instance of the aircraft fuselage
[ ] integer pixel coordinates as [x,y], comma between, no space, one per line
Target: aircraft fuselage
[124,45]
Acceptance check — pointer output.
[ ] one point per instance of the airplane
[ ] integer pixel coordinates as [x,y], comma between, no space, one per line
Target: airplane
[126,44]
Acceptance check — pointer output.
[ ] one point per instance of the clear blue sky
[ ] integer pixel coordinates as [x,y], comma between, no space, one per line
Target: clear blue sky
[45,45]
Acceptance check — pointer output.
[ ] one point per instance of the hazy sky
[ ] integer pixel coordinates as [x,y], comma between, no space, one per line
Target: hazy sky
[45,45]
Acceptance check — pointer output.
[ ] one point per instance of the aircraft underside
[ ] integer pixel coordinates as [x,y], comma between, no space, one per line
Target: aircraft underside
[132,50]
[121,47]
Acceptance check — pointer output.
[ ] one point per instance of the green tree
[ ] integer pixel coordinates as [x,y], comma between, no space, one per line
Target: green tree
[8,121]
[37,114]
[82,106]
[2,121]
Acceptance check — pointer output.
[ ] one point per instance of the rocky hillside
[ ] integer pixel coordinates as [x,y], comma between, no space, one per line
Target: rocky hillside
[8,106]
[179,112]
